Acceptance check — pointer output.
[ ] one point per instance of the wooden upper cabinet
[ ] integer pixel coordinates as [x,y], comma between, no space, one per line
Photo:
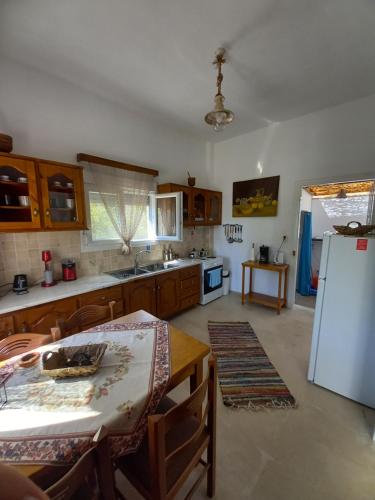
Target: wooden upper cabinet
[40,194]
[19,202]
[201,207]
[62,196]
[213,207]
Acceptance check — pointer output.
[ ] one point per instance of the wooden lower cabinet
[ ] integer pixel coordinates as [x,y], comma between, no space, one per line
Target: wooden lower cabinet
[40,319]
[162,295]
[141,295]
[167,294]
[103,297]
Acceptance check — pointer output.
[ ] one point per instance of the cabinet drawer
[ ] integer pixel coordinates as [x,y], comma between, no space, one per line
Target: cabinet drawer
[6,326]
[190,286]
[189,272]
[103,297]
[189,301]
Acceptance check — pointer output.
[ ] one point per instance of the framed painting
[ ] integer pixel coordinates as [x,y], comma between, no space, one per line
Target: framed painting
[256,198]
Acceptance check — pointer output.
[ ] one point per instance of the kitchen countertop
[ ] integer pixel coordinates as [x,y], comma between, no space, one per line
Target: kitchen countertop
[38,295]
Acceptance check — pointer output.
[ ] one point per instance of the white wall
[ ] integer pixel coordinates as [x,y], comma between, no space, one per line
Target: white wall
[329,145]
[306,201]
[51,118]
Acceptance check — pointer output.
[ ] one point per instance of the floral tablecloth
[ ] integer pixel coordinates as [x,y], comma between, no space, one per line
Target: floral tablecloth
[53,421]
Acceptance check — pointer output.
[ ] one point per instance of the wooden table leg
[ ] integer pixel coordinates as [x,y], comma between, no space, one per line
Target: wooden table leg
[251,282]
[279,293]
[285,285]
[243,284]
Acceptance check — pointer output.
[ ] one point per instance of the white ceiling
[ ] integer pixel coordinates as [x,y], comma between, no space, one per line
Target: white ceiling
[286,57]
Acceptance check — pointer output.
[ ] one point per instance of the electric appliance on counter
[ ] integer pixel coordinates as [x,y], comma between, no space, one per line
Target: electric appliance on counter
[69,272]
[343,341]
[48,269]
[211,279]
[20,284]
[264,254]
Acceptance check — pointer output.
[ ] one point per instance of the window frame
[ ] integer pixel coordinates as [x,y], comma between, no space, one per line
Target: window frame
[90,245]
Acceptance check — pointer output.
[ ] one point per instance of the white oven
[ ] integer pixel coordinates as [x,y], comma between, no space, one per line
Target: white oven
[211,279]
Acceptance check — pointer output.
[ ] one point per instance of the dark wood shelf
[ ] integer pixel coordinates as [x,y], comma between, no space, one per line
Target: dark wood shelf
[13,183]
[64,209]
[266,300]
[62,189]
[15,207]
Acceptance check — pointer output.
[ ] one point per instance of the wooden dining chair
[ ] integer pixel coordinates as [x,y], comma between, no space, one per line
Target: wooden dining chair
[92,476]
[84,316]
[177,437]
[18,343]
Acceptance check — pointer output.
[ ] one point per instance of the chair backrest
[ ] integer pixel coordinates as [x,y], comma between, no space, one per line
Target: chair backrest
[18,343]
[86,315]
[162,456]
[78,480]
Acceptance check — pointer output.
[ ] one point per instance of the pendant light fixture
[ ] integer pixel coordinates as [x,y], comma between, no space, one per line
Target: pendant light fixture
[219,117]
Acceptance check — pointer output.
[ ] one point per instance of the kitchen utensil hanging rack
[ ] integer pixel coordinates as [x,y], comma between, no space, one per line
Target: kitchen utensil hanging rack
[233,233]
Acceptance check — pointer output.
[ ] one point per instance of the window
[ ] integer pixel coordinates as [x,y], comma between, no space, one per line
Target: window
[161,221]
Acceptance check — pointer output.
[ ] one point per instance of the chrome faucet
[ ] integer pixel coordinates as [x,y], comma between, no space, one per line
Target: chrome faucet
[137,255]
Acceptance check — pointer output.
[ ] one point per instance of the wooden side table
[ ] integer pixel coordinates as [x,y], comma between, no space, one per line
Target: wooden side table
[260,298]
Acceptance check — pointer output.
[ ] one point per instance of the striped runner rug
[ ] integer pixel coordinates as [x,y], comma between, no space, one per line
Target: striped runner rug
[247,377]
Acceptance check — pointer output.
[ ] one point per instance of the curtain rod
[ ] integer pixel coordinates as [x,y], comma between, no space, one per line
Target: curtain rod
[116,164]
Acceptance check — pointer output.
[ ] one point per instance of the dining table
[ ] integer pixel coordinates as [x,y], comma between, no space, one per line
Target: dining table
[186,362]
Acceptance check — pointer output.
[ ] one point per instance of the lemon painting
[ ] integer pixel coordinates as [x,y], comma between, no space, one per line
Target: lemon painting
[256,198]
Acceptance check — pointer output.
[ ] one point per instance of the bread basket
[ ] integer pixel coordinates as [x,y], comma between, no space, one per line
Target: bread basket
[73,361]
[358,230]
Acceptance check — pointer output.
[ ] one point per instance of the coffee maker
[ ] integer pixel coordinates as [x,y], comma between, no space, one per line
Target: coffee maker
[264,254]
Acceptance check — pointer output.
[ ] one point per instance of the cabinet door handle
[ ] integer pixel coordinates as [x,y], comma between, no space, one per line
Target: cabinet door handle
[10,332]
[36,212]
[48,213]
[103,297]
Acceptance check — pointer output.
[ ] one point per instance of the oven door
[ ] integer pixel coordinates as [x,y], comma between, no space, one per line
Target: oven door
[212,279]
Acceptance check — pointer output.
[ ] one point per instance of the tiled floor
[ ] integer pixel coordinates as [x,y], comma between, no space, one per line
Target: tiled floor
[306,301]
[320,451]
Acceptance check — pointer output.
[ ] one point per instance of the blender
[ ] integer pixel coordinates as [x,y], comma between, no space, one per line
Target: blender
[48,270]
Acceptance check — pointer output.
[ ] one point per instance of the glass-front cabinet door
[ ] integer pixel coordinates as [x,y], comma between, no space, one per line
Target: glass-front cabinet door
[62,195]
[19,206]
[213,209]
[199,206]
[168,217]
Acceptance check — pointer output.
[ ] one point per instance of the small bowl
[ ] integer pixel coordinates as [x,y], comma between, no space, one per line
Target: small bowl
[57,184]
[22,180]
[69,184]
[4,177]
[29,359]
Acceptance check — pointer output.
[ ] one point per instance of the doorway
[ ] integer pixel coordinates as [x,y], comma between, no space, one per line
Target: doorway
[321,207]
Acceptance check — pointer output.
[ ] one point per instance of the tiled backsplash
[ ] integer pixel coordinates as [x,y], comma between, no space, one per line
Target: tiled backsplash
[21,253]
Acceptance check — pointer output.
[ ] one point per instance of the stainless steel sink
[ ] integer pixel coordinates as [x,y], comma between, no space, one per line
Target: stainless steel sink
[127,273]
[159,266]
[156,266]
[136,271]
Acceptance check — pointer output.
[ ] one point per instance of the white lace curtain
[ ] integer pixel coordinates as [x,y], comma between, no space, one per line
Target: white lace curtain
[125,196]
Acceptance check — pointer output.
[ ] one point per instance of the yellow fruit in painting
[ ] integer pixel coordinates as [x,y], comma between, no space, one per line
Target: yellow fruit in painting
[247,211]
[254,205]
[260,206]
[274,202]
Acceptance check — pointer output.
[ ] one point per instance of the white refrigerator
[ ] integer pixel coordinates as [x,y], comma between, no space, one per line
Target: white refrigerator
[342,355]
